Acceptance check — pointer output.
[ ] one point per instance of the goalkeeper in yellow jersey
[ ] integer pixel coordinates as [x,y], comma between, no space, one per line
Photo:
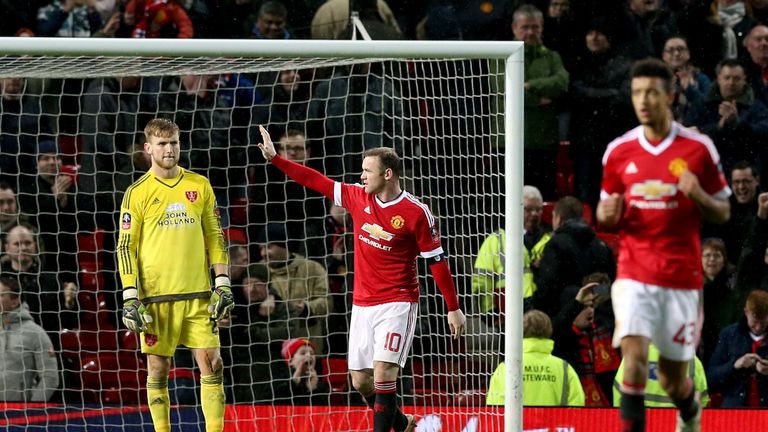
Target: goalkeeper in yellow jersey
[170,236]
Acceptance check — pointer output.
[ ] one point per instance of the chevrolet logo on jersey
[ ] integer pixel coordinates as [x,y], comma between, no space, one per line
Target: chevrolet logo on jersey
[375,231]
[653,189]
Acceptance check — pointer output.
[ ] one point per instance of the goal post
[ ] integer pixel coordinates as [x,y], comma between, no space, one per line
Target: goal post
[454,109]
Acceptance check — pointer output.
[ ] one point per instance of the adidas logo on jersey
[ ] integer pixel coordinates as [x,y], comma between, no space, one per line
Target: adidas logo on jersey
[156,201]
[367,209]
[631,168]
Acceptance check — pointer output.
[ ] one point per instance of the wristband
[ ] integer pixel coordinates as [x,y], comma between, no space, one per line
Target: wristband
[130,293]
[221,280]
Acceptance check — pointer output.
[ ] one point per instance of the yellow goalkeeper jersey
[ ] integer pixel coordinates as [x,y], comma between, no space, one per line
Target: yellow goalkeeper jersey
[166,227]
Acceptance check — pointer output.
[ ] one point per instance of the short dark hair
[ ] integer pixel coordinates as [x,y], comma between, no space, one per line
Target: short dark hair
[5,186]
[653,68]
[569,208]
[273,8]
[676,36]
[740,165]
[12,284]
[731,63]
[388,158]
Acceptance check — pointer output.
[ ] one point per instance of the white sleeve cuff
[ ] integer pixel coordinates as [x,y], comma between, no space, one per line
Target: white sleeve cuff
[221,281]
[130,293]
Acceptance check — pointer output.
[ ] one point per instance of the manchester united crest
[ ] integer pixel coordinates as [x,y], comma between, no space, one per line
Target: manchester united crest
[397,222]
[677,166]
[191,196]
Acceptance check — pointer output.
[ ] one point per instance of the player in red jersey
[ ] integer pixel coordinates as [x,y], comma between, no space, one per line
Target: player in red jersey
[392,228]
[659,180]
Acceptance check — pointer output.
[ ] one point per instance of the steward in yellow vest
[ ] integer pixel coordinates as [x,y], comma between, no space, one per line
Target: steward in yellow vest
[547,380]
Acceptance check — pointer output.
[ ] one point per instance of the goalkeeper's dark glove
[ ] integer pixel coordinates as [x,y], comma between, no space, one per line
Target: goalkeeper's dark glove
[135,315]
[221,298]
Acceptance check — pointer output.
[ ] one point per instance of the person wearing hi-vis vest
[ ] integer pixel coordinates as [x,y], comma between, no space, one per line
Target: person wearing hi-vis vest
[488,278]
[547,380]
[655,396]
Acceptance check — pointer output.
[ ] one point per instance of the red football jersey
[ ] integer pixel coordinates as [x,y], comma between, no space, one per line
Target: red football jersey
[659,227]
[388,238]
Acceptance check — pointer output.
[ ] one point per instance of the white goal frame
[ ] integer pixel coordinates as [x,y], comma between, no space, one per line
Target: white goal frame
[511,52]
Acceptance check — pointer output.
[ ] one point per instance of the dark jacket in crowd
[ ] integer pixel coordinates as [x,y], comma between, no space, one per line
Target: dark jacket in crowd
[734,384]
[601,109]
[44,297]
[114,114]
[352,112]
[642,37]
[755,79]
[58,224]
[752,271]
[573,253]
[723,305]
[738,140]
[20,125]
[736,231]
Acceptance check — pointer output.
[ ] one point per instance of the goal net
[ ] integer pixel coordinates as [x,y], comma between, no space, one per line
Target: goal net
[73,114]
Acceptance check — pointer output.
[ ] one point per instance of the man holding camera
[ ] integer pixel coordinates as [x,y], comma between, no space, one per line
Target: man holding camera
[739,366]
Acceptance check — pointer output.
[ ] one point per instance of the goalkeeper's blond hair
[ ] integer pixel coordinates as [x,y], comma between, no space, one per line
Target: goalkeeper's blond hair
[160,127]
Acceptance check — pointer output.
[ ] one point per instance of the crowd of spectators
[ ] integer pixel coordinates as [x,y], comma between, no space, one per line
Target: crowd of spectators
[291,250]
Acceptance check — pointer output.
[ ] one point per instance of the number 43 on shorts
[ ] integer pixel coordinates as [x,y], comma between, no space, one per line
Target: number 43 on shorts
[686,334]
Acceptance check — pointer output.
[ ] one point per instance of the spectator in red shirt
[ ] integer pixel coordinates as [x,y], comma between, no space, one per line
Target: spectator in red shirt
[158,19]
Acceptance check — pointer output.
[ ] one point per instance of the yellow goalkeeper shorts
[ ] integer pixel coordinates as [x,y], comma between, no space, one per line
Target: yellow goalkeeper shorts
[182,322]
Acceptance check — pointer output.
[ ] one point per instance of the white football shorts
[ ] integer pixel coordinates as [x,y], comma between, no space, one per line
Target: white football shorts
[669,317]
[381,333]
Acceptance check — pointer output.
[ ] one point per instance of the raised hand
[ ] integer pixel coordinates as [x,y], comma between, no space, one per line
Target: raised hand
[728,112]
[70,295]
[267,147]
[586,294]
[609,210]
[762,205]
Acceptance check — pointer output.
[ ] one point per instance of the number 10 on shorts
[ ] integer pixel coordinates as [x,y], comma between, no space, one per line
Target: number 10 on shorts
[392,342]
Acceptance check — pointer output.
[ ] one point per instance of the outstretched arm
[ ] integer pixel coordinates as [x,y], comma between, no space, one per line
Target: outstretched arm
[302,175]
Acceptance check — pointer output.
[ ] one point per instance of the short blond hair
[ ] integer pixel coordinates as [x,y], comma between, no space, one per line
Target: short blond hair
[160,127]
[536,324]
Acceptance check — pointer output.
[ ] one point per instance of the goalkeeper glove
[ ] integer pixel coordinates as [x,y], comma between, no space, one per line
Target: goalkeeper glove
[135,315]
[221,298]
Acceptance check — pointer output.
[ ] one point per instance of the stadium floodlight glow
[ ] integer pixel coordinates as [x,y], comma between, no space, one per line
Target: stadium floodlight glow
[453,109]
